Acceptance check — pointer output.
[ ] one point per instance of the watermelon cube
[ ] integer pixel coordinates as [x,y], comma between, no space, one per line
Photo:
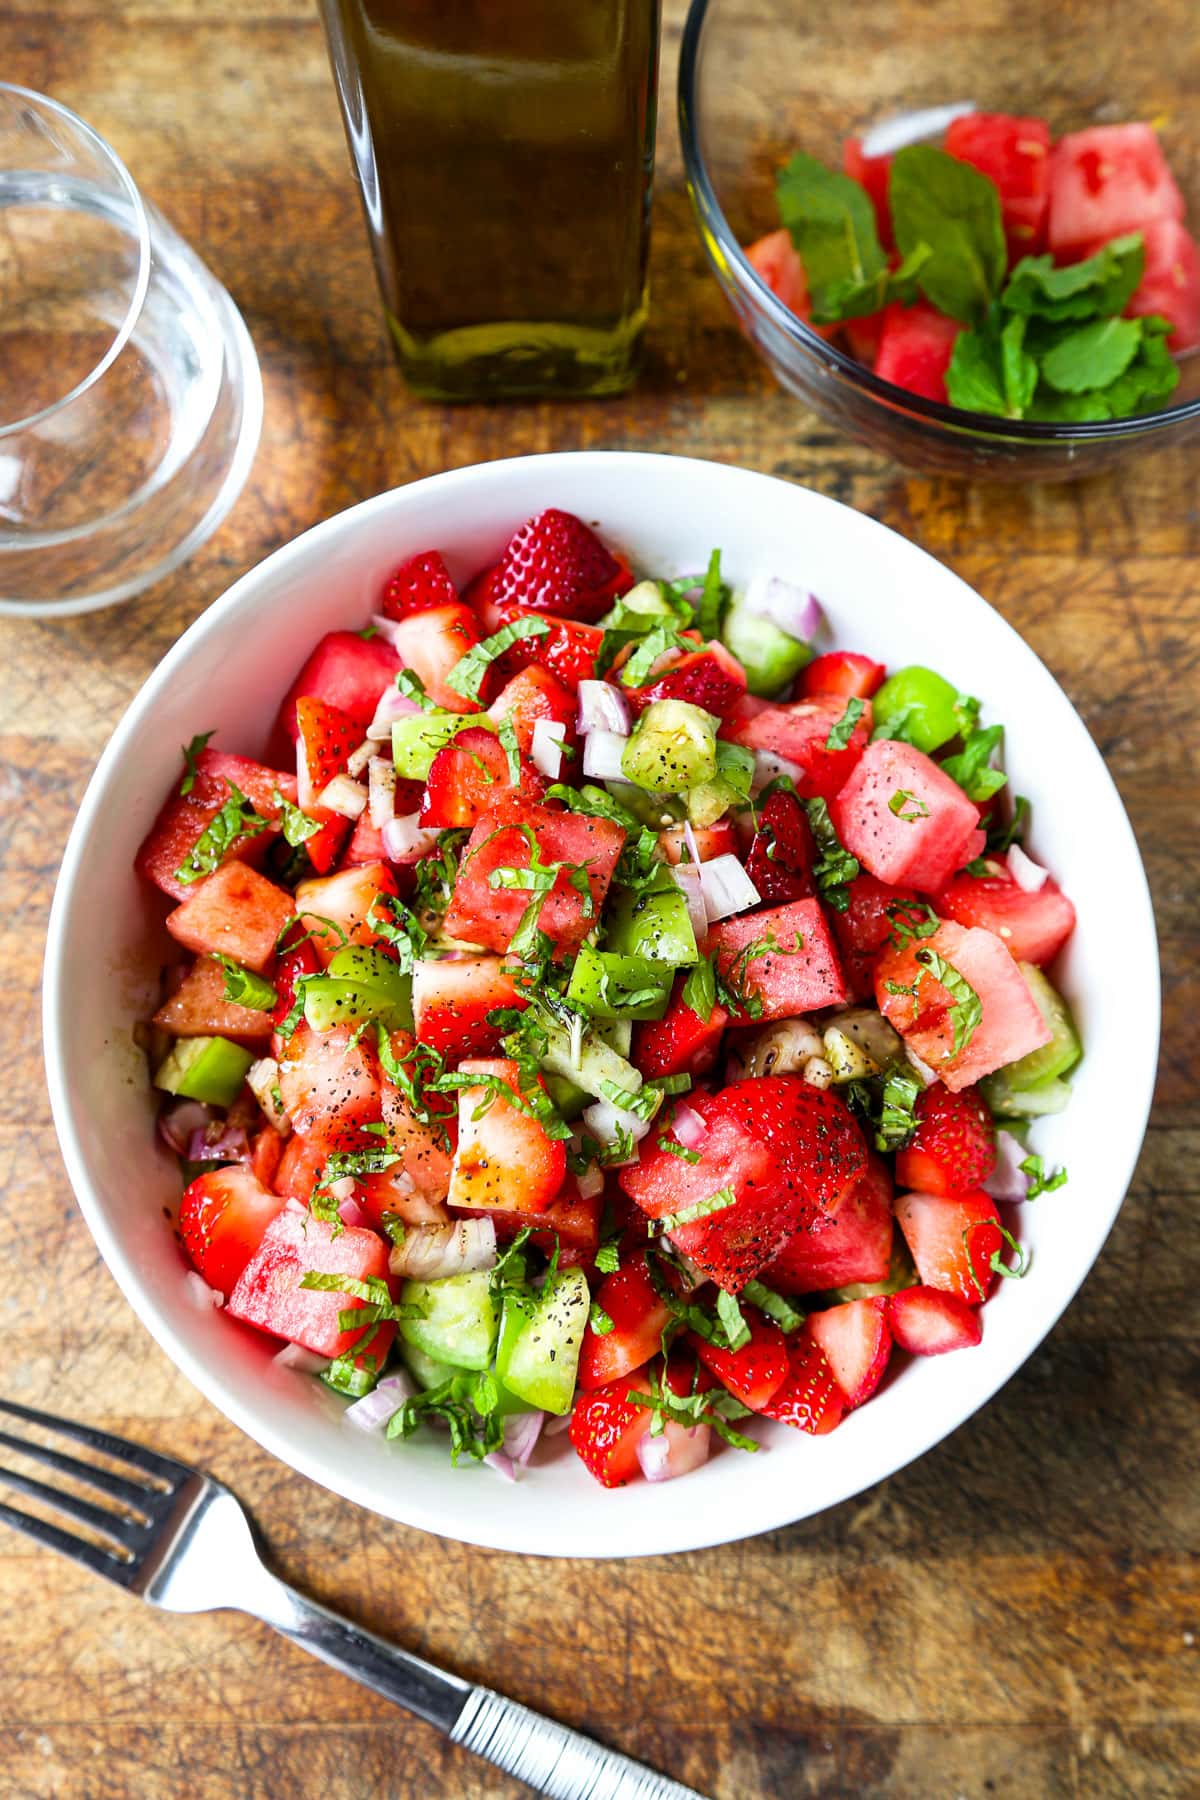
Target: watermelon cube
[269,1296]
[345,671]
[172,838]
[855,1244]
[489,916]
[1010,1023]
[1104,181]
[234,910]
[915,347]
[785,955]
[1170,284]
[799,733]
[198,1008]
[906,821]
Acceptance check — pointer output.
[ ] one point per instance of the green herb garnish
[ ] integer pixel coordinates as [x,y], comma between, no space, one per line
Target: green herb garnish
[466,677]
[243,987]
[189,753]
[233,824]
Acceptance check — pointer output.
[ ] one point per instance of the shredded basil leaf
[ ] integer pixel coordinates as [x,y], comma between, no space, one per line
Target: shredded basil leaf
[189,753]
[466,677]
[235,822]
[841,733]
[243,987]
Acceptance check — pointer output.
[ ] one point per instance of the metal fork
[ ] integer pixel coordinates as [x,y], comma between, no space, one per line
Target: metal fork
[183,1542]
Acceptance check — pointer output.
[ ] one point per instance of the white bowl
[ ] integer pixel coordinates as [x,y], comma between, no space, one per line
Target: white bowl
[229,671]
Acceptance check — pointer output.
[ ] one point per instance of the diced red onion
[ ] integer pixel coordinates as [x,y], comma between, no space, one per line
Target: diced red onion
[178,1123]
[791,608]
[405,841]
[381,790]
[928,1075]
[556,1424]
[200,1294]
[502,1463]
[687,879]
[602,753]
[606,1122]
[601,708]
[769,767]
[547,747]
[352,1214]
[262,1078]
[230,1145]
[521,1433]
[726,887]
[676,1450]
[435,1252]
[373,1411]
[392,705]
[1008,1181]
[385,628]
[895,134]
[295,1356]
[689,838]
[359,760]
[343,796]
[1028,875]
[291,1204]
[690,1128]
[591,1182]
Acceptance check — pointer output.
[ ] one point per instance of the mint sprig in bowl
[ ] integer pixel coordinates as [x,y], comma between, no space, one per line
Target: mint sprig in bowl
[1020,361]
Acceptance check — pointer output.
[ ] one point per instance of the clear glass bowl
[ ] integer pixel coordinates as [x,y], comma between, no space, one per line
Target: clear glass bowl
[760,79]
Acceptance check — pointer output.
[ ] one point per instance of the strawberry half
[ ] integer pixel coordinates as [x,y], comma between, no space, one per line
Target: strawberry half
[953,1241]
[929,1323]
[417,585]
[555,564]
[810,1398]
[857,1341]
[326,738]
[781,854]
[954,1145]
[605,1431]
[755,1373]
[222,1218]
[639,1316]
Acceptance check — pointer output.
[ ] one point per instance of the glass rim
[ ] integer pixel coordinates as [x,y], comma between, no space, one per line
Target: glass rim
[956,419]
[142,280]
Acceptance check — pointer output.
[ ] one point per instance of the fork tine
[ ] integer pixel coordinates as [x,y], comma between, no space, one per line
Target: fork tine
[126,1532]
[162,1467]
[101,1562]
[129,1493]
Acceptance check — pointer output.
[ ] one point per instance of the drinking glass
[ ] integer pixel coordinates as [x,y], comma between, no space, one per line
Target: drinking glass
[130,396]
[504,156]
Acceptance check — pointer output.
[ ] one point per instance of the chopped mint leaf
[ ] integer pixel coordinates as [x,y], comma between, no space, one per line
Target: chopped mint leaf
[714,598]
[775,1306]
[243,987]
[650,647]
[700,989]
[1039,1182]
[967,1010]
[413,688]
[507,734]
[189,753]
[466,677]
[296,826]
[730,1314]
[699,1209]
[910,920]
[599,1320]
[461,1403]
[908,807]
[679,1150]
[1091,355]
[594,801]
[835,868]
[971,767]
[841,733]
[235,822]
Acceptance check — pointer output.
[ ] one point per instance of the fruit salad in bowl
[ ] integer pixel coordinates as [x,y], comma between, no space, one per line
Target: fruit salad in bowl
[610,1010]
[596,978]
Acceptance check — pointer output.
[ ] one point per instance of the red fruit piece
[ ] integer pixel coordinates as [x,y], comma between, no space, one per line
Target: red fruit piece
[327,737]
[346,671]
[349,901]
[953,1241]
[785,1150]
[863,929]
[639,1316]
[930,834]
[556,564]
[780,859]
[857,1341]
[854,1245]
[810,1398]
[709,678]
[184,817]
[758,1370]
[927,1322]
[1014,153]
[504,1158]
[469,777]
[570,1221]
[915,348]
[681,1042]
[1035,926]
[605,1430]
[222,1218]
[329,1085]
[1104,181]
[481,914]
[871,172]
[451,1002]
[954,1145]
[799,733]
[268,1293]
[533,694]
[842,672]
[786,957]
[236,911]
[568,650]
[432,644]
[198,1008]
[1170,284]
[417,585]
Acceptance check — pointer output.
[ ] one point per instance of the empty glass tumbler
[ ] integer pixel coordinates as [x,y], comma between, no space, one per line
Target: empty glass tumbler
[504,152]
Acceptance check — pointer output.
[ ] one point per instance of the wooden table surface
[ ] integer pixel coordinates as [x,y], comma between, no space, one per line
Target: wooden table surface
[1017,1614]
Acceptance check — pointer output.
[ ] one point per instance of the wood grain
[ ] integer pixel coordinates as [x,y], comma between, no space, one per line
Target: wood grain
[1017,1614]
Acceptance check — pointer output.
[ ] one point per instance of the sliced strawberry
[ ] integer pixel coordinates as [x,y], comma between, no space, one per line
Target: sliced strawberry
[954,1145]
[293,963]
[327,738]
[638,1318]
[864,928]
[469,776]
[857,1340]
[953,1241]
[810,1398]
[756,1372]
[346,670]
[432,644]
[928,1322]
[452,1000]
[710,678]
[843,672]
[222,1218]
[568,649]
[234,910]
[854,1245]
[350,900]
[504,1158]
[556,564]
[418,585]
[266,1153]
[799,733]
[570,1222]
[681,1042]
[781,855]
[198,1008]
[533,694]
[605,1430]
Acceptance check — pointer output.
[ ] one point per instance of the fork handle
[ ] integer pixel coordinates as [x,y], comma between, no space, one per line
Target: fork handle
[553,1760]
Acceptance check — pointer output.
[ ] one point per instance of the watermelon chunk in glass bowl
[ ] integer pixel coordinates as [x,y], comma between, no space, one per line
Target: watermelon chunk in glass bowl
[759,84]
